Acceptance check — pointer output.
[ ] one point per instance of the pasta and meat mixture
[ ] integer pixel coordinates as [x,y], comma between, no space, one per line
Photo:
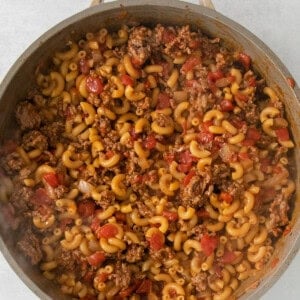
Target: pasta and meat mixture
[150,163]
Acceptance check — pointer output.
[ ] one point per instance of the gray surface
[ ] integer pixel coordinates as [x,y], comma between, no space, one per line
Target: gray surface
[277,24]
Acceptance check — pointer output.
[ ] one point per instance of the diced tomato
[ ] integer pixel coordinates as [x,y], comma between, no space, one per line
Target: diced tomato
[226,105]
[107,231]
[194,44]
[252,81]
[282,134]
[169,157]
[168,36]
[226,197]
[213,76]
[157,240]
[41,198]
[287,230]
[83,66]
[133,135]
[126,80]
[291,82]
[95,224]
[102,277]
[248,143]
[245,60]
[109,154]
[209,244]
[205,126]
[86,208]
[184,168]
[52,179]
[253,134]
[170,215]
[186,157]
[274,262]
[202,213]
[190,63]
[94,85]
[150,142]
[145,287]
[243,155]
[228,257]
[186,180]
[205,137]
[163,101]
[96,259]
[241,97]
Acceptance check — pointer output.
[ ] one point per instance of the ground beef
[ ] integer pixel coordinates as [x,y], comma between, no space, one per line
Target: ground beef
[220,173]
[68,261]
[163,120]
[278,214]
[29,244]
[34,140]
[264,141]
[251,113]
[12,163]
[27,116]
[144,210]
[199,281]
[134,253]
[162,255]
[53,132]
[198,231]
[122,276]
[193,194]
[138,45]
[107,199]
[21,197]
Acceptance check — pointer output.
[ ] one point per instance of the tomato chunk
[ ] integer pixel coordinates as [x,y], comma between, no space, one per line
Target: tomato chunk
[163,101]
[96,259]
[228,257]
[226,197]
[126,80]
[245,60]
[168,36]
[212,77]
[282,134]
[157,240]
[94,85]
[209,244]
[226,105]
[184,168]
[186,157]
[169,157]
[170,215]
[188,177]
[86,208]
[52,179]
[145,287]
[83,66]
[190,63]
[253,134]
[150,142]
[107,231]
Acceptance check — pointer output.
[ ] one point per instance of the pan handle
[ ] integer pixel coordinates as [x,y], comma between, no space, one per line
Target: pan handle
[205,3]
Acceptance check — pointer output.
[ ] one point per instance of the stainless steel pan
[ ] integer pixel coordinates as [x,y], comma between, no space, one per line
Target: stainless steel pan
[112,15]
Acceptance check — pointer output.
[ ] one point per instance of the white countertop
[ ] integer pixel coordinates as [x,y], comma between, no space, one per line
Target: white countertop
[276,22]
